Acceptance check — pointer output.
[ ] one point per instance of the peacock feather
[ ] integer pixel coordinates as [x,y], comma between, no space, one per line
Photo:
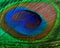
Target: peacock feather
[29,23]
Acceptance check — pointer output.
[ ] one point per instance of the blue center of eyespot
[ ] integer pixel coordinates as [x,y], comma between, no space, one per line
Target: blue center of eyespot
[25,21]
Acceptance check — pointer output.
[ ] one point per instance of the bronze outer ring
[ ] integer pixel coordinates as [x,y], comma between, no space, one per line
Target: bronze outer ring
[46,10]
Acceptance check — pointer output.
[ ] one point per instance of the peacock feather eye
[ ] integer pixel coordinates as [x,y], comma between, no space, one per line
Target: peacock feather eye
[26,22]
[29,23]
